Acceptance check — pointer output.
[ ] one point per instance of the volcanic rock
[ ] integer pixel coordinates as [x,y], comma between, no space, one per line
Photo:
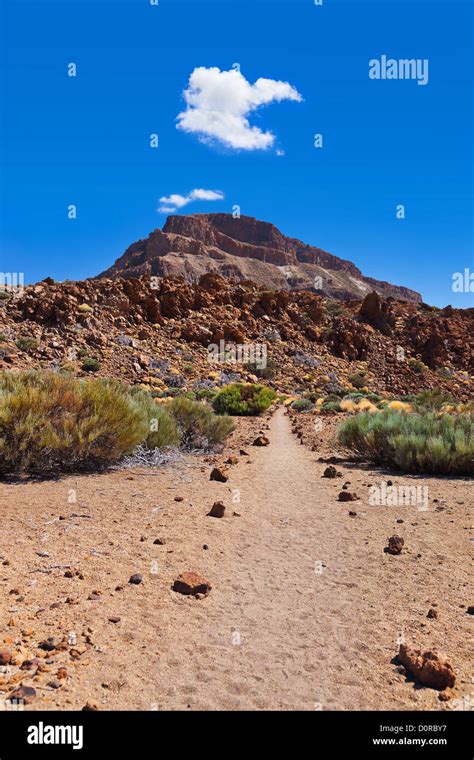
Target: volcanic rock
[428,667]
[191,584]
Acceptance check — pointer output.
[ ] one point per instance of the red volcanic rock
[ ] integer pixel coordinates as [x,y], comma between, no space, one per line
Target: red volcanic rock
[377,312]
[191,584]
[429,667]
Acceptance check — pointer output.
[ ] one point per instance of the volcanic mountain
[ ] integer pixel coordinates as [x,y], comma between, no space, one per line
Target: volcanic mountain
[246,249]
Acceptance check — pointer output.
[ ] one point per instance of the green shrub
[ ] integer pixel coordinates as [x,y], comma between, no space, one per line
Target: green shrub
[334,308]
[331,406]
[164,431]
[50,423]
[84,308]
[242,399]
[27,344]
[5,295]
[417,366]
[357,380]
[266,373]
[431,400]
[198,426]
[302,405]
[425,443]
[90,365]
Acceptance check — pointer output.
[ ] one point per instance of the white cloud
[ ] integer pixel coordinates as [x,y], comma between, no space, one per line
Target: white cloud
[171,203]
[218,104]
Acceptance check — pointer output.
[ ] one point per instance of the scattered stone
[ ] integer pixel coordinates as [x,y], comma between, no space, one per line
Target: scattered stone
[347,496]
[390,482]
[159,541]
[219,475]
[62,674]
[432,613]
[232,460]
[446,695]
[352,514]
[49,645]
[55,684]
[400,521]
[30,664]
[90,707]
[191,584]
[23,694]
[179,498]
[261,440]
[243,453]
[5,657]
[69,574]
[217,509]
[135,579]
[470,610]
[331,472]
[205,547]
[395,545]
[429,667]
[115,619]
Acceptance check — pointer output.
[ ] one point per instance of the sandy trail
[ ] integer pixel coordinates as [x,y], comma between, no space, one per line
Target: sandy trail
[303,615]
[305,610]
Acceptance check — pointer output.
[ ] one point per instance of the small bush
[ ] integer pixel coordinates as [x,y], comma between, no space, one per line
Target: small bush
[164,431]
[5,295]
[26,344]
[357,380]
[84,308]
[431,400]
[50,423]
[334,308]
[424,443]
[90,365]
[417,366]
[331,406]
[266,373]
[198,425]
[302,405]
[242,399]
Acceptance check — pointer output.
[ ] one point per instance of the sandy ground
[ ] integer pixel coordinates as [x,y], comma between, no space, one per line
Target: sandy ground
[305,612]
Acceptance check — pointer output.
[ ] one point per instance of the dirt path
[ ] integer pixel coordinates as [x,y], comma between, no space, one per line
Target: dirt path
[305,610]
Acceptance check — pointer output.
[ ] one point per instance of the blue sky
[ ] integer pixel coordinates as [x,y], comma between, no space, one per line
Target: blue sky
[85,140]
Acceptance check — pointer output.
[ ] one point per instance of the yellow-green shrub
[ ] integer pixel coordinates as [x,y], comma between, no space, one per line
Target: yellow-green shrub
[51,422]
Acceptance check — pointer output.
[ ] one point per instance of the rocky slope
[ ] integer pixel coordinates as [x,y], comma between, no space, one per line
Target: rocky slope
[246,249]
[159,336]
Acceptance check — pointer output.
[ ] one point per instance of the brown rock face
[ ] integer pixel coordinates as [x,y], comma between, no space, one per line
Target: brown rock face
[429,667]
[191,584]
[244,249]
[377,313]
